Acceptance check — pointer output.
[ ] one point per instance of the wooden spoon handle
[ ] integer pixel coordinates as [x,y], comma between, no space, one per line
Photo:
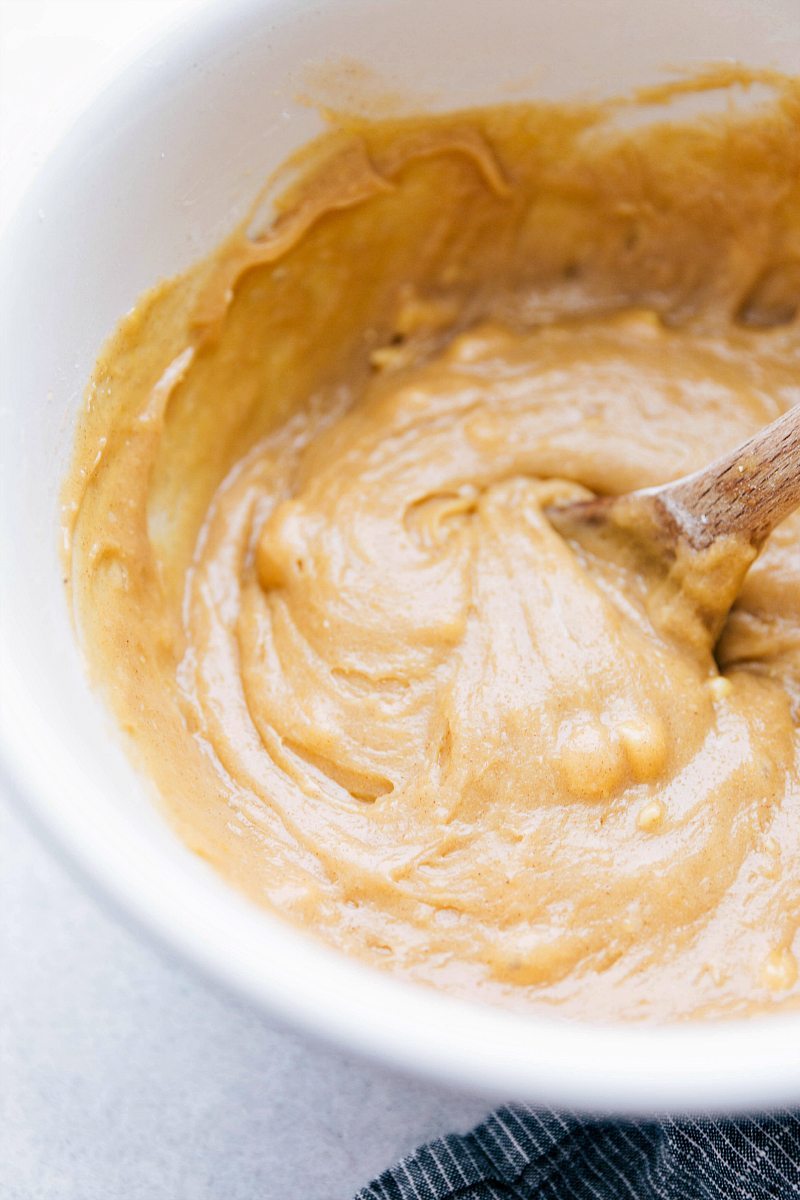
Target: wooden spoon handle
[746,493]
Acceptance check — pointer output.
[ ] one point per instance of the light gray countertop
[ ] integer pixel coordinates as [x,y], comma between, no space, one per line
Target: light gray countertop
[123,1077]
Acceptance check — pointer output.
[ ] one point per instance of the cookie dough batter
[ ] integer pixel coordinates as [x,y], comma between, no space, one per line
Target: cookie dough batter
[313,574]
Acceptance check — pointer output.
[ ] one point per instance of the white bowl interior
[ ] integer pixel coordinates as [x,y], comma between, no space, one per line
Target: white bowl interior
[149,180]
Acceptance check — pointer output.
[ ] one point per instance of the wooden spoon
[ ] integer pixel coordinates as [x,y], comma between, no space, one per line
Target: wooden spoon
[717,518]
[743,494]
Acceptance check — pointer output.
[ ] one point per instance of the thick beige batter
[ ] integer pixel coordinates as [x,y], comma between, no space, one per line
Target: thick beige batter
[313,576]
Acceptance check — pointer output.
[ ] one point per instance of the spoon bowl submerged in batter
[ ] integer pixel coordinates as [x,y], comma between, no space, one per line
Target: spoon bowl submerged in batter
[694,539]
[314,574]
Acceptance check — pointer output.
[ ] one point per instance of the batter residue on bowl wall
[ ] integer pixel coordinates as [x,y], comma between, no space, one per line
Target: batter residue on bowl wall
[313,576]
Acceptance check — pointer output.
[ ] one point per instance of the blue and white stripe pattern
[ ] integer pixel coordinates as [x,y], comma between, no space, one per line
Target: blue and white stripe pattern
[522,1153]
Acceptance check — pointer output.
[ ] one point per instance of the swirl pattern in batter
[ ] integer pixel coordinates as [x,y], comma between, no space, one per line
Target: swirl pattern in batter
[314,573]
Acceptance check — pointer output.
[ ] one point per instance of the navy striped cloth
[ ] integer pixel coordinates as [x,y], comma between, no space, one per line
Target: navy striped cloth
[522,1153]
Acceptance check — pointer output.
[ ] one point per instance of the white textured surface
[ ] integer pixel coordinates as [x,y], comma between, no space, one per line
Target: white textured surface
[120,1075]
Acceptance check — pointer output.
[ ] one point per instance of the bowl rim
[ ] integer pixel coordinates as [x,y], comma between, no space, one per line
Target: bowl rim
[727,1065]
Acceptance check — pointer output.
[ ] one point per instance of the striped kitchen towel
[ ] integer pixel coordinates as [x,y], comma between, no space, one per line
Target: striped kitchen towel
[523,1153]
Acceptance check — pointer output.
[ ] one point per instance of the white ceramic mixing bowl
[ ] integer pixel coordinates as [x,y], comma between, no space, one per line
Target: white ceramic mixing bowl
[151,178]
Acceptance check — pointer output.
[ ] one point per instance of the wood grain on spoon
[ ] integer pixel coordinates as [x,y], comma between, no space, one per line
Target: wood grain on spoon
[742,495]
